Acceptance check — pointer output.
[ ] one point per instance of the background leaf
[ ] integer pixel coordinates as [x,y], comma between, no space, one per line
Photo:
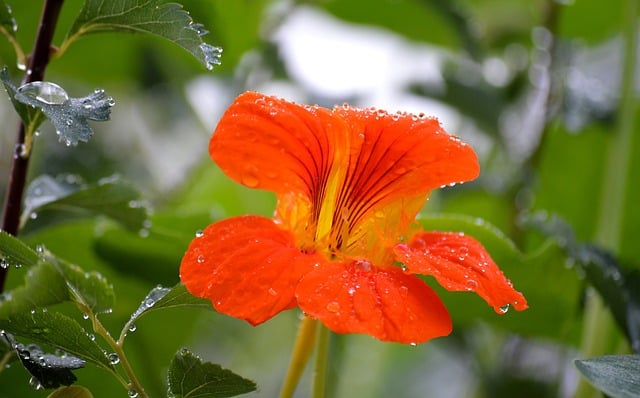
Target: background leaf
[111,196]
[8,25]
[71,392]
[616,375]
[157,17]
[190,377]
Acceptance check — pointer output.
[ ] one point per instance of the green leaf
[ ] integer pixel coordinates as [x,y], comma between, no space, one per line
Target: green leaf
[157,17]
[189,377]
[163,297]
[90,290]
[70,116]
[110,196]
[15,252]
[616,375]
[71,392]
[178,296]
[44,286]
[47,370]
[8,25]
[32,118]
[617,286]
[56,330]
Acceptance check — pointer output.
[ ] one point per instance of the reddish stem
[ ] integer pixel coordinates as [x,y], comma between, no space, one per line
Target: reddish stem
[19,166]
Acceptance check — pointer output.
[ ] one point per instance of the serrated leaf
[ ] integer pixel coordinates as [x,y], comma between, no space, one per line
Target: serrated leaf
[111,196]
[56,330]
[47,370]
[157,17]
[70,116]
[13,251]
[44,286]
[90,290]
[189,377]
[71,392]
[178,296]
[162,298]
[616,375]
[32,118]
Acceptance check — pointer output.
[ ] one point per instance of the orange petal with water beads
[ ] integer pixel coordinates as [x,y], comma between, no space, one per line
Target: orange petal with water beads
[358,297]
[247,266]
[460,263]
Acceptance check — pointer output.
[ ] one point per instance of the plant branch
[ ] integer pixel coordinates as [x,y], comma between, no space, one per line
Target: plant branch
[19,166]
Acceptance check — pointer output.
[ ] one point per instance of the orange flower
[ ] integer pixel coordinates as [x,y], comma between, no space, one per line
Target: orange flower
[343,244]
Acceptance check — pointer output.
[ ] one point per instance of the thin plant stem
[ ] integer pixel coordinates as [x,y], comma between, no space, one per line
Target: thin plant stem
[597,323]
[134,383]
[301,352]
[322,357]
[35,71]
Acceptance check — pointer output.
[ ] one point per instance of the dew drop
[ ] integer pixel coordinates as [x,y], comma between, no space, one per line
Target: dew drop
[4,264]
[46,92]
[200,259]
[199,233]
[351,291]
[250,180]
[35,383]
[91,337]
[413,344]
[404,291]
[272,291]
[114,358]
[363,265]
[472,285]
[85,316]
[132,327]
[333,307]
[503,309]
[40,249]
[132,393]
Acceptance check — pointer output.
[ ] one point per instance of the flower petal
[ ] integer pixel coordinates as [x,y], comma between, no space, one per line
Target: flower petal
[270,143]
[460,263]
[398,156]
[247,266]
[357,297]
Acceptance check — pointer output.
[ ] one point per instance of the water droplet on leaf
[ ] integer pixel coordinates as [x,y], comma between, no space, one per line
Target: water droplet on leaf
[114,358]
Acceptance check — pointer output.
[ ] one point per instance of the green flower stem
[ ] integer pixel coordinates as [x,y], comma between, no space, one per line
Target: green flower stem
[301,352]
[117,347]
[322,356]
[597,323]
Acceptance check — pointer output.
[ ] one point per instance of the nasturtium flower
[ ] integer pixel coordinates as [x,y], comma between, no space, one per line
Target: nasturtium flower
[343,244]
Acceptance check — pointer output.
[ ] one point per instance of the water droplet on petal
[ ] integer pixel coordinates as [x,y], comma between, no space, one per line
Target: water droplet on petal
[413,344]
[363,265]
[404,291]
[472,285]
[333,307]
[250,180]
[273,291]
[503,309]
[199,233]
[200,259]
